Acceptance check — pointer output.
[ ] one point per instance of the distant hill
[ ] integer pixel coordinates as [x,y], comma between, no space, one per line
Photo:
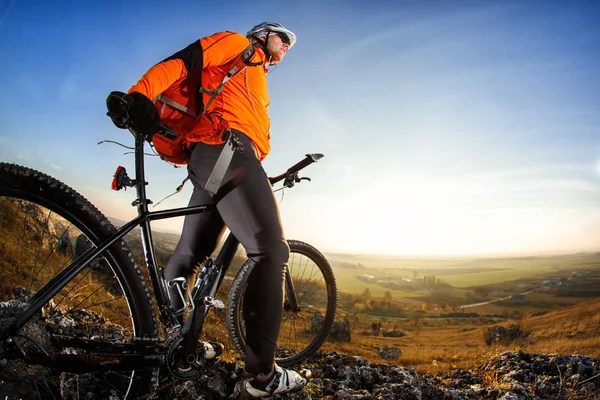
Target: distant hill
[167,236]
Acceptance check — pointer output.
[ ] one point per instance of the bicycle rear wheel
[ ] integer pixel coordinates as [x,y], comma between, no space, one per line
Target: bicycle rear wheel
[44,226]
[301,333]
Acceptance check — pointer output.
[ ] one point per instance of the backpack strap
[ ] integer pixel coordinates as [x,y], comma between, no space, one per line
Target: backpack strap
[174,104]
[232,144]
[240,63]
[218,172]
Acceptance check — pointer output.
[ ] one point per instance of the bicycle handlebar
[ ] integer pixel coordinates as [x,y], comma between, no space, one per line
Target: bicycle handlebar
[310,158]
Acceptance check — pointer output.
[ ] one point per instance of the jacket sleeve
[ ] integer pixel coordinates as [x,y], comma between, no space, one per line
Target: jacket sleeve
[165,73]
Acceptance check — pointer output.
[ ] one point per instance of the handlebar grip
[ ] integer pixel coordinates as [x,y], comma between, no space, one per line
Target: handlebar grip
[119,109]
[310,158]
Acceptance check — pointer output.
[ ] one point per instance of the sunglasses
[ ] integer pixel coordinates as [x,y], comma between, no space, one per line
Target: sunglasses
[284,38]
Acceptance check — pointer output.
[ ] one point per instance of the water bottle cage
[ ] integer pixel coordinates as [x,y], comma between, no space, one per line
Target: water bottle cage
[182,288]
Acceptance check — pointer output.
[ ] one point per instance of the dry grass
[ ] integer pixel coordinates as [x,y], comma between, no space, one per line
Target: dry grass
[29,258]
[440,346]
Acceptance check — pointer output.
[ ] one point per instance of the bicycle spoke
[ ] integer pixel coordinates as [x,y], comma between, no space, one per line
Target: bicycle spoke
[308,285]
[123,318]
[294,329]
[64,296]
[82,301]
[48,386]
[40,245]
[20,268]
[105,302]
[108,382]
[56,246]
[305,267]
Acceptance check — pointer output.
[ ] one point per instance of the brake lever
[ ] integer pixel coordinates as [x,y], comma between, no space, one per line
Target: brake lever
[292,179]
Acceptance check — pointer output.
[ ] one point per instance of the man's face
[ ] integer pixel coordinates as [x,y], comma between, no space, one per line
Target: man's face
[278,45]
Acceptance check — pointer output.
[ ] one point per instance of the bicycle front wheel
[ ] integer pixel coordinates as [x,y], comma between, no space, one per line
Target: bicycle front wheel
[44,226]
[301,333]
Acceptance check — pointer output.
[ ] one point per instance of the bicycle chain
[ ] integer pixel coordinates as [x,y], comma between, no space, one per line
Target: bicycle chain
[171,335]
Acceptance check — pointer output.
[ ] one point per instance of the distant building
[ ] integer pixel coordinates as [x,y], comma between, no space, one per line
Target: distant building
[367,278]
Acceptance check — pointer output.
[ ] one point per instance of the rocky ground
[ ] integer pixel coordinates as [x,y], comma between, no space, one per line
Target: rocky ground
[508,376]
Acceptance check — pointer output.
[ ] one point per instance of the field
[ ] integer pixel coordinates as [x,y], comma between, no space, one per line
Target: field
[460,273]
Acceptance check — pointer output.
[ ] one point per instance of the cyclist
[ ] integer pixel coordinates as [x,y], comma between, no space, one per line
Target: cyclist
[250,210]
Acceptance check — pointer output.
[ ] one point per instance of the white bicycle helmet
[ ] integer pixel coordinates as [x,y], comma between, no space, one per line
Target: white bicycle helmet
[264,28]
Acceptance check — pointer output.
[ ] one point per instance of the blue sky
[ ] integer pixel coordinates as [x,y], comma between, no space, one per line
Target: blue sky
[448,127]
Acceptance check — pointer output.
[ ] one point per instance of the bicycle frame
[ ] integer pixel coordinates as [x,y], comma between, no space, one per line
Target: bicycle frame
[211,277]
[57,283]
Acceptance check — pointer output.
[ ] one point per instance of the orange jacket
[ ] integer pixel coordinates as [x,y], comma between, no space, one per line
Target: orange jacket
[244,101]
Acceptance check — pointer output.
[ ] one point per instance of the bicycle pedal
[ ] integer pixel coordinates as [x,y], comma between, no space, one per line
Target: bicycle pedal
[209,301]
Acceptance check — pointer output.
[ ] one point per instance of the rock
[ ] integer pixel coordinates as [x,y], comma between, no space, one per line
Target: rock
[499,334]
[340,332]
[389,352]
[387,333]
[64,246]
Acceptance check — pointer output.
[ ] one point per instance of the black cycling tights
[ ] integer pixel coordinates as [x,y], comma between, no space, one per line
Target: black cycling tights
[251,213]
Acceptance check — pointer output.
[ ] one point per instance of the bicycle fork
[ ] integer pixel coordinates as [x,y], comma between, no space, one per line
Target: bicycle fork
[290,291]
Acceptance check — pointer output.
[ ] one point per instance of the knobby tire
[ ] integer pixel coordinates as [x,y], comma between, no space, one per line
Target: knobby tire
[301,334]
[44,225]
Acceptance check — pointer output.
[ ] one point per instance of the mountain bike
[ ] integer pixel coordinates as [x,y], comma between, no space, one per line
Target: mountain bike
[78,315]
